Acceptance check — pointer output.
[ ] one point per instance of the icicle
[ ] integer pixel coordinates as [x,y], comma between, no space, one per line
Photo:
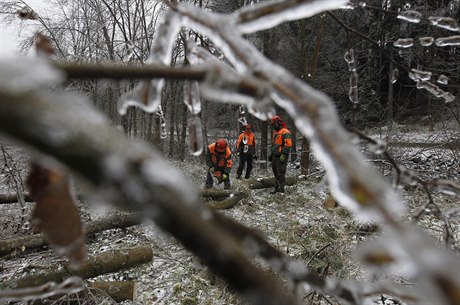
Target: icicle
[410,16]
[445,23]
[443,80]
[353,91]
[426,41]
[146,95]
[404,43]
[448,41]
[196,136]
[192,97]
[395,75]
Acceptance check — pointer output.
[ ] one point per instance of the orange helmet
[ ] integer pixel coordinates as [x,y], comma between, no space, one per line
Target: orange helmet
[275,119]
[221,145]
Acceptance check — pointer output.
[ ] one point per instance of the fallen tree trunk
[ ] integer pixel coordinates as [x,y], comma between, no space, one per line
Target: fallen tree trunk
[106,262]
[214,193]
[39,240]
[226,203]
[13,198]
[119,291]
[269,182]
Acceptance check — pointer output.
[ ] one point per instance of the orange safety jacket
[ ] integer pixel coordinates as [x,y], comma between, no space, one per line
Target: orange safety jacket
[246,143]
[222,161]
[281,142]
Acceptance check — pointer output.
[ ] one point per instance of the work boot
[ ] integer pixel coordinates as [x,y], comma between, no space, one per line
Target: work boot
[206,187]
[247,176]
[238,177]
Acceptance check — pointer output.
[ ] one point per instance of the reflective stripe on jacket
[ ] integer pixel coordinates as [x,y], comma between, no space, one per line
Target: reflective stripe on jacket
[281,142]
[220,160]
[250,140]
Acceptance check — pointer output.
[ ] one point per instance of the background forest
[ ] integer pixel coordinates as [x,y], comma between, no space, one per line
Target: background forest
[390,71]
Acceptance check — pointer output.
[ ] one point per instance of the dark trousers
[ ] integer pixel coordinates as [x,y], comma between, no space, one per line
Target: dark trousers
[210,181]
[244,159]
[279,170]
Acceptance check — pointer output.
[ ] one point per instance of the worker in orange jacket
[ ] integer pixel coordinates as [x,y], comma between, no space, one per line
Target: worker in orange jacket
[245,150]
[219,162]
[281,147]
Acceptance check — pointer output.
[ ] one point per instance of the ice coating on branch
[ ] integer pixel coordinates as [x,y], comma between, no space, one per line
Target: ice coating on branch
[395,75]
[419,75]
[448,41]
[20,74]
[410,16]
[196,136]
[154,170]
[353,89]
[448,187]
[443,80]
[430,87]
[404,43]
[378,147]
[265,15]
[379,256]
[426,41]
[192,97]
[447,23]
[348,5]
[448,97]
[147,94]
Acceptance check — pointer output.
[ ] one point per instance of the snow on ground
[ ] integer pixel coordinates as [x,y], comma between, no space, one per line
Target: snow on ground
[297,223]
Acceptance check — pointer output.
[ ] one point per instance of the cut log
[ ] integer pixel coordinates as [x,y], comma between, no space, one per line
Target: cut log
[269,182]
[214,193]
[119,291]
[226,203]
[38,240]
[106,262]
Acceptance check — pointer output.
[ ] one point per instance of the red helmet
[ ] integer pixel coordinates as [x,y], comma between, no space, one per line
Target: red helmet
[275,119]
[221,145]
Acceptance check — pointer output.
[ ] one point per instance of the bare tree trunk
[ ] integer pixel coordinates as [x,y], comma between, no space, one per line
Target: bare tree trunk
[305,156]
[390,92]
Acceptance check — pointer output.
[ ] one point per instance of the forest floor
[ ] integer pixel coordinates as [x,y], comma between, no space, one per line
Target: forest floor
[297,222]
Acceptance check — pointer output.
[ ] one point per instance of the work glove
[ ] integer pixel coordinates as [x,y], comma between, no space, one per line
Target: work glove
[211,170]
[224,177]
[282,157]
